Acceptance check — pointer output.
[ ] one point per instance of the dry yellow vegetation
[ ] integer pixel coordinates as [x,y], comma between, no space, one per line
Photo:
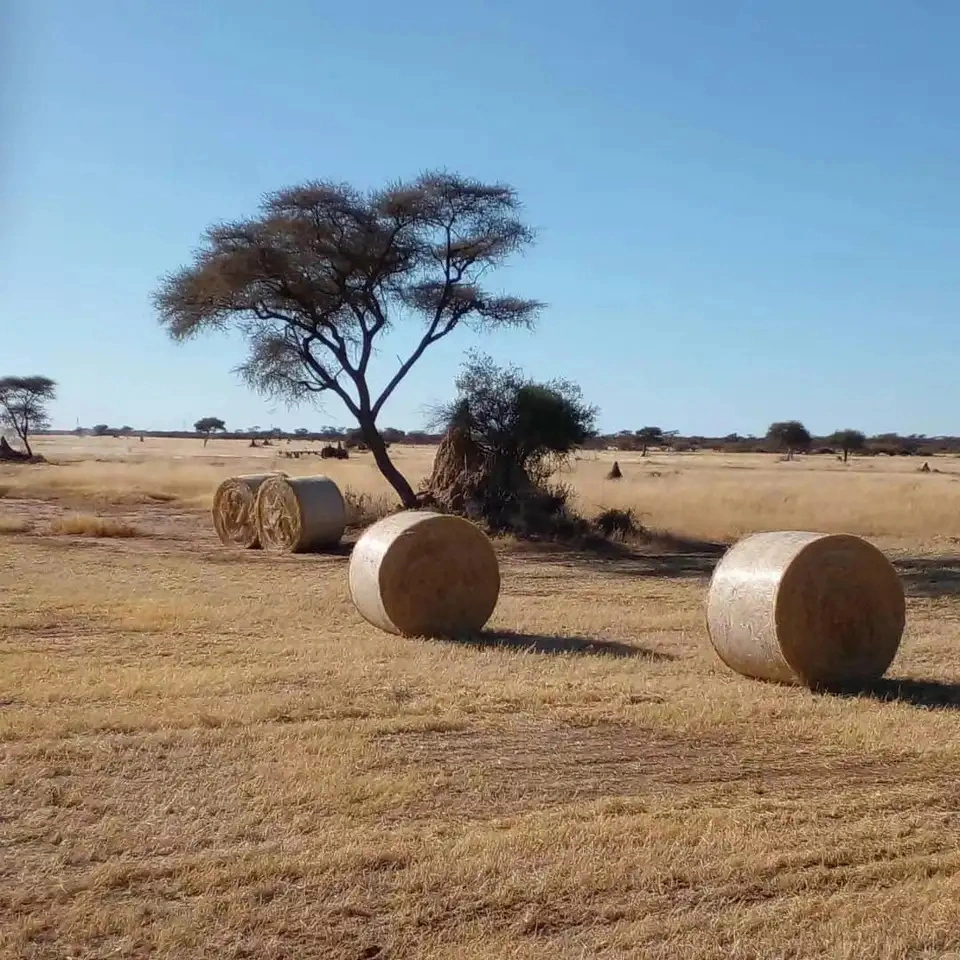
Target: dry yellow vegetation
[207,752]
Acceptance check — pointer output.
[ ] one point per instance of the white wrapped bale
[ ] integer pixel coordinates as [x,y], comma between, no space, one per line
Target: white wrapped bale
[806,608]
[426,574]
[300,514]
[234,518]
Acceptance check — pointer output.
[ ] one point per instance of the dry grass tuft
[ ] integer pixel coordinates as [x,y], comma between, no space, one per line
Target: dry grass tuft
[14,525]
[90,525]
[364,509]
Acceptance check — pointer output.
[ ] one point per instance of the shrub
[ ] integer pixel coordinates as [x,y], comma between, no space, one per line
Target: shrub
[614,523]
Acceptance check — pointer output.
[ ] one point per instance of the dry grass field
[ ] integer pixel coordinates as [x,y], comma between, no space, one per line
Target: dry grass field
[206,752]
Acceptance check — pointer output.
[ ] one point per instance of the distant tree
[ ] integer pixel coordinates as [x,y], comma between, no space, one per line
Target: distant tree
[23,405]
[301,431]
[315,281]
[392,435]
[101,429]
[849,441]
[648,437]
[208,425]
[789,435]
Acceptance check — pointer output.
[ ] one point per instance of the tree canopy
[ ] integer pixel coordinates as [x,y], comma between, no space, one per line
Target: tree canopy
[324,271]
[209,425]
[849,441]
[23,405]
[789,435]
[647,437]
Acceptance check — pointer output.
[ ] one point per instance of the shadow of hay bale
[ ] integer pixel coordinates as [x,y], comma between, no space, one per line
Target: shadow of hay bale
[930,576]
[924,694]
[651,555]
[557,645]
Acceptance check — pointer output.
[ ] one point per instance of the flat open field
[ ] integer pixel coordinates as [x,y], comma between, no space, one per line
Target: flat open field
[206,752]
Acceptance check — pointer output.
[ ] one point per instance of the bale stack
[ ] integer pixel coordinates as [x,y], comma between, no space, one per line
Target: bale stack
[234,518]
[813,609]
[299,514]
[422,573]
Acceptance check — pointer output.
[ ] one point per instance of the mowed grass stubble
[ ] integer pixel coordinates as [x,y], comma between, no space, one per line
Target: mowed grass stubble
[207,750]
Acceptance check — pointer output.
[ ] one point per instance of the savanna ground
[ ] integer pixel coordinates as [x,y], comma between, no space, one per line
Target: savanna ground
[206,752]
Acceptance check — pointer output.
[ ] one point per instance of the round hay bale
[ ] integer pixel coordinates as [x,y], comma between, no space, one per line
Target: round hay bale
[425,574]
[233,514]
[806,608]
[299,514]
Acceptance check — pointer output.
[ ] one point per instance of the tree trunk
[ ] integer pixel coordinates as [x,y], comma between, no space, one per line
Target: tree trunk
[385,465]
[22,434]
[845,453]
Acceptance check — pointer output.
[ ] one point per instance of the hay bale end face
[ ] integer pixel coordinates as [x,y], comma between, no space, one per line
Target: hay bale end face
[233,510]
[300,514]
[806,608]
[422,573]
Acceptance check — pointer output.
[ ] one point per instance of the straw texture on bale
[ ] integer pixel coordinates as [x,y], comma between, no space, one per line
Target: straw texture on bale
[425,574]
[300,514]
[806,608]
[234,518]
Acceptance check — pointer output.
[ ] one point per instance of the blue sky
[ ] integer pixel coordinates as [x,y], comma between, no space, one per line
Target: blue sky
[748,211]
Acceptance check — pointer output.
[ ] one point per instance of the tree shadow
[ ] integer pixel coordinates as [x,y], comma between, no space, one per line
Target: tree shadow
[651,555]
[930,576]
[927,694]
[557,645]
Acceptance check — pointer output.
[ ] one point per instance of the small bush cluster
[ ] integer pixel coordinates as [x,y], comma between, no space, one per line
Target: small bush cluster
[616,524]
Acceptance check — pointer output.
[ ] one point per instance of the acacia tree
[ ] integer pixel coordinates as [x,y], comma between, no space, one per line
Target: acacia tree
[208,425]
[23,405]
[849,441]
[648,436]
[324,272]
[789,435]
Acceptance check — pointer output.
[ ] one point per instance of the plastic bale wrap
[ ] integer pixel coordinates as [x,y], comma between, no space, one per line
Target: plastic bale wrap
[806,608]
[422,573]
[234,518]
[300,514]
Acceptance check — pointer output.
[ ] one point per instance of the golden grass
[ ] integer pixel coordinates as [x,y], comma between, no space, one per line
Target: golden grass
[207,751]
[702,495]
[14,525]
[90,525]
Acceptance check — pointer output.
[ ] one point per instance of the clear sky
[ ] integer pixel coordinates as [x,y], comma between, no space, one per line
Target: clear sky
[748,210]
